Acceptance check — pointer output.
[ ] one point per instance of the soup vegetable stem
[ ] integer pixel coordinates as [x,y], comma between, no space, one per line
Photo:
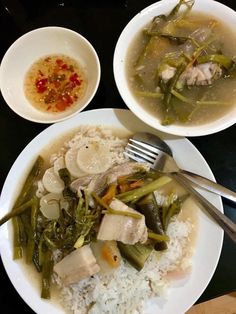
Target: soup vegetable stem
[25,201]
[182,60]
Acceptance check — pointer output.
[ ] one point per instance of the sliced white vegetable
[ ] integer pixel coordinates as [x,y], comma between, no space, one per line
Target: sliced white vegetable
[52,182]
[94,158]
[71,163]
[59,163]
[49,205]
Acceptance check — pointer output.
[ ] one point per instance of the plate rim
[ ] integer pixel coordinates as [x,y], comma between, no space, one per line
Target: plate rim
[66,126]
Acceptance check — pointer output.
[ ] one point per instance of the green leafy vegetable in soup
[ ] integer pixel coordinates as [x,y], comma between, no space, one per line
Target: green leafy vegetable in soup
[181,67]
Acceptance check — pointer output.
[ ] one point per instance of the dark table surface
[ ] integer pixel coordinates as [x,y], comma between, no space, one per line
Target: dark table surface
[101,22]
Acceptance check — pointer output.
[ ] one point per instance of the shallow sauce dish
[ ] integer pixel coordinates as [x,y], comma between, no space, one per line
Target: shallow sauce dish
[41,43]
[121,58]
[188,290]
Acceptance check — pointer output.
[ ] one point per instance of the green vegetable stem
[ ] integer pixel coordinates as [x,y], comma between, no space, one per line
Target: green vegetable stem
[136,194]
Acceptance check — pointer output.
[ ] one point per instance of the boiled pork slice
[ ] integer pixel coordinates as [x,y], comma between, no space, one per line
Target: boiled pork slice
[122,228]
[201,74]
[76,266]
[97,183]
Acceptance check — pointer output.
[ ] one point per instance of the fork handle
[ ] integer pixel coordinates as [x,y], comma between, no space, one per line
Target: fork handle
[209,185]
[227,225]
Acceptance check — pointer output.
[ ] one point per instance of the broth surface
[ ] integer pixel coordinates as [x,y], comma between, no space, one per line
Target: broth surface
[222,90]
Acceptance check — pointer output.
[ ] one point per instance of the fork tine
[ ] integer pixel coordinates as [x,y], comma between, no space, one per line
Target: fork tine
[147,146]
[135,158]
[146,152]
[140,154]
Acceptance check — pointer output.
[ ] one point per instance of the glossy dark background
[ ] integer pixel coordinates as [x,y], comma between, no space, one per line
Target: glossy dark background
[101,22]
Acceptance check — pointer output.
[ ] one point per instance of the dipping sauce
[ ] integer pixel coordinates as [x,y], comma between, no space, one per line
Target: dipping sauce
[55,83]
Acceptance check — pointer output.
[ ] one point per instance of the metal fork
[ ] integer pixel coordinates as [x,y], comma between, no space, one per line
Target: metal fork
[158,161]
[153,142]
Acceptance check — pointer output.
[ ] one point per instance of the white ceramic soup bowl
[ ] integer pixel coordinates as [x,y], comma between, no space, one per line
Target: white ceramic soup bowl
[31,47]
[220,11]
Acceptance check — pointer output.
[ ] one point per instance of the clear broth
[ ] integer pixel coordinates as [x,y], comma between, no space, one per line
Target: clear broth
[221,90]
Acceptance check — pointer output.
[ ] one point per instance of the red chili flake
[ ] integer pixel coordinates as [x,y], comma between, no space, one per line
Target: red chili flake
[61,106]
[41,89]
[64,66]
[59,62]
[41,85]
[67,99]
[68,87]
[64,102]
[71,86]
[74,78]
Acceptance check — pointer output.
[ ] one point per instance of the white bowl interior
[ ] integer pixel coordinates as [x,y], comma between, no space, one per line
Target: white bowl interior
[31,47]
[227,15]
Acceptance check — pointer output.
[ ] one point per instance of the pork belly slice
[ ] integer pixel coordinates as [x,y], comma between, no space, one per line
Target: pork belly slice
[201,74]
[97,183]
[76,266]
[124,169]
[122,228]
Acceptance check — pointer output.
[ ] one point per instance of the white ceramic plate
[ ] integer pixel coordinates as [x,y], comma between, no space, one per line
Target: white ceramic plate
[210,236]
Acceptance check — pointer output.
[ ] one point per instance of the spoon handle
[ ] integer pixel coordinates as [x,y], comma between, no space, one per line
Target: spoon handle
[226,224]
[210,185]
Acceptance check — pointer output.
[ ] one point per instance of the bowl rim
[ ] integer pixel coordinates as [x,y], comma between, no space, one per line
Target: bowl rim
[29,34]
[132,103]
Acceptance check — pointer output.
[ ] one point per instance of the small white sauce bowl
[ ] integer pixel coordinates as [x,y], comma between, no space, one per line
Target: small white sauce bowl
[220,11]
[31,47]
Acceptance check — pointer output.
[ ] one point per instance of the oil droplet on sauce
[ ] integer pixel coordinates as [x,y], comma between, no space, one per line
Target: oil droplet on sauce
[55,83]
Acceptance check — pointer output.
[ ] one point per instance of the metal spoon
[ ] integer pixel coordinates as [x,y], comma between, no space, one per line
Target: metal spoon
[202,182]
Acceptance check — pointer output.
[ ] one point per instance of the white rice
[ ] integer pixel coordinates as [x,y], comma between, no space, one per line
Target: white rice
[84,136]
[126,289]
[87,135]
